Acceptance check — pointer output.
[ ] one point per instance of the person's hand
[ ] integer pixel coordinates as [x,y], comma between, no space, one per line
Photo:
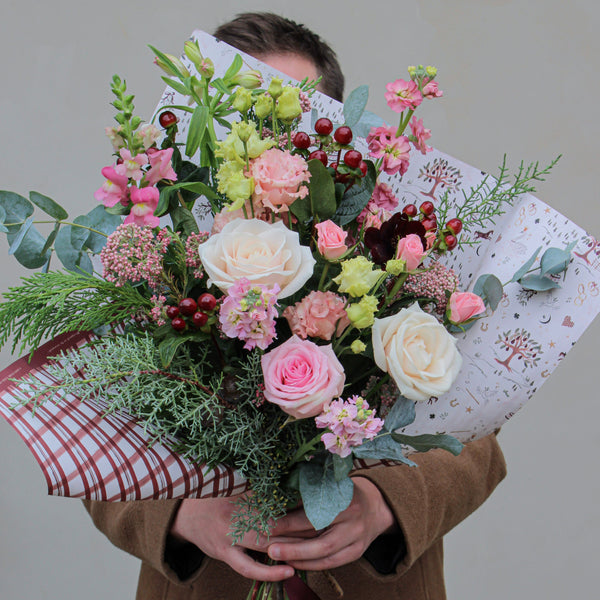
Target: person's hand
[344,541]
[206,523]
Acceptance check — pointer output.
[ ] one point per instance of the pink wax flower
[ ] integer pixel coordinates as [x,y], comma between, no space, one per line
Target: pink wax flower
[410,249]
[420,135]
[331,240]
[114,188]
[430,89]
[161,167]
[145,201]
[402,94]
[463,306]
[320,315]
[278,178]
[132,165]
[248,313]
[349,423]
[301,377]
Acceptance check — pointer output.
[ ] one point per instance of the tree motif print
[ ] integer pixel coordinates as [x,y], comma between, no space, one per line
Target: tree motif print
[440,173]
[521,345]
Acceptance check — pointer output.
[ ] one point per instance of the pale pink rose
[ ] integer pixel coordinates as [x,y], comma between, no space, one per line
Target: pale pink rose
[410,249]
[319,315]
[331,240]
[302,377]
[463,306]
[278,177]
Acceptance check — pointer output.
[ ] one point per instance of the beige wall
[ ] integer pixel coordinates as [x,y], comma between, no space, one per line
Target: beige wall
[519,77]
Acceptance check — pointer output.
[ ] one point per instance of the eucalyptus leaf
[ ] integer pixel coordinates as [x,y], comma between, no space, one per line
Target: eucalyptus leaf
[538,283]
[2,214]
[23,230]
[323,498]
[16,208]
[368,120]
[382,447]
[196,130]
[526,266]
[355,105]
[50,239]
[79,235]
[401,414]
[556,260]
[425,442]
[73,259]
[49,206]
[489,288]
[30,250]
[3,228]
[102,221]
[342,466]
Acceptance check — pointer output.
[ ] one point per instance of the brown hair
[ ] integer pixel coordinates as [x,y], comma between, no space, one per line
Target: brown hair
[263,33]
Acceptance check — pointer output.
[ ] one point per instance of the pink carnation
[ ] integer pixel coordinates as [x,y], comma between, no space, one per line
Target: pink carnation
[402,94]
[278,177]
[320,315]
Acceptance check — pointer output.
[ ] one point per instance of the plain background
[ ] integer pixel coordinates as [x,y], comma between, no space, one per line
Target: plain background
[519,77]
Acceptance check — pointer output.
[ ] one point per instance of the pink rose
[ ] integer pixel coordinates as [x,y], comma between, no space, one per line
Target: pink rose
[463,306]
[410,249]
[278,178]
[302,377]
[319,315]
[331,240]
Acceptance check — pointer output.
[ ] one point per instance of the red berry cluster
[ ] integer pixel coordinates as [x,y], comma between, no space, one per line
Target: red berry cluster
[198,311]
[354,167]
[426,214]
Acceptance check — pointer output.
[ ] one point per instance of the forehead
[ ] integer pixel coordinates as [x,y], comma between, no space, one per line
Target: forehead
[294,65]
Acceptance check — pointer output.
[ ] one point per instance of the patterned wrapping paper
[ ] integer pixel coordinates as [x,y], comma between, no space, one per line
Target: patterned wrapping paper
[506,357]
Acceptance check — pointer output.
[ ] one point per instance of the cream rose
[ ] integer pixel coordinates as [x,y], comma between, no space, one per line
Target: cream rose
[417,351]
[266,253]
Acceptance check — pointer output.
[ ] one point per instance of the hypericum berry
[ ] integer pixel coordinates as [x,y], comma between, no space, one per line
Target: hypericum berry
[450,241]
[455,226]
[166,119]
[429,224]
[188,306]
[178,324]
[206,302]
[363,168]
[323,126]
[352,158]
[427,208]
[319,155]
[172,312]
[301,140]
[410,210]
[199,319]
[343,135]
[334,166]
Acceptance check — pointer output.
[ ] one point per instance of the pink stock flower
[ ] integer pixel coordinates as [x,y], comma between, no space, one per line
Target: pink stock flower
[378,139]
[349,423]
[420,135]
[331,240]
[301,377]
[383,197]
[394,151]
[145,201]
[430,89]
[248,313]
[114,188]
[278,178]
[132,165]
[410,249]
[463,306]
[160,167]
[320,315]
[402,94]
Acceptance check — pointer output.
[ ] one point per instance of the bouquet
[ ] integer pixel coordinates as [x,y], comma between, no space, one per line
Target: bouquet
[301,336]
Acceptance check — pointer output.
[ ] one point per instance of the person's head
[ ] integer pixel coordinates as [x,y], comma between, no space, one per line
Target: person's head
[287,46]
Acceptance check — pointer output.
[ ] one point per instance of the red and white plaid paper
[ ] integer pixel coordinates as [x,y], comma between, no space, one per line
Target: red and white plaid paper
[84,454]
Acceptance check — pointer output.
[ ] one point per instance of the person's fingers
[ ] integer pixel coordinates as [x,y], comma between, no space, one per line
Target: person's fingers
[344,556]
[247,567]
[294,523]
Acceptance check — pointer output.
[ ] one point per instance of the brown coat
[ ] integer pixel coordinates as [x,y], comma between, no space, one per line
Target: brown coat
[427,502]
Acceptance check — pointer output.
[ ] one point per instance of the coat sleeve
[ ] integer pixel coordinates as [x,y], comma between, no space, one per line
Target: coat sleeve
[432,498]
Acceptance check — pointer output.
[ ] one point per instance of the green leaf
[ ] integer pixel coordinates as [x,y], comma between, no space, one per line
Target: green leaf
[49,206]
[234,68]
[196,130]
[23,230]
[73,259]
[100,220]
[220,85]
[423,443]
[196,187]
[342,466]
[16,208]
[489,288]
[538,283]
[323,497]
[382,447]
[556,260]
[322,190]
[356,198]
[184,221]
[368,120]
[51,238]
[176,85]
[167,349]
[355,105]
[526,266]
[2,214]
[401,414]
[79,235]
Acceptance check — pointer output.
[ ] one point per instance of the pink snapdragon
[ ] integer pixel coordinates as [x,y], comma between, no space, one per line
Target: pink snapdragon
[420,135]
[131,166]
[349,423]
[145,201]
[161,167]
[114,189]
[320,315]
[403,94]
[248,313]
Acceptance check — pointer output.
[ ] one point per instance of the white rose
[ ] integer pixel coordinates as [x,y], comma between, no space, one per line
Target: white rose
[417,351]
[267,253]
